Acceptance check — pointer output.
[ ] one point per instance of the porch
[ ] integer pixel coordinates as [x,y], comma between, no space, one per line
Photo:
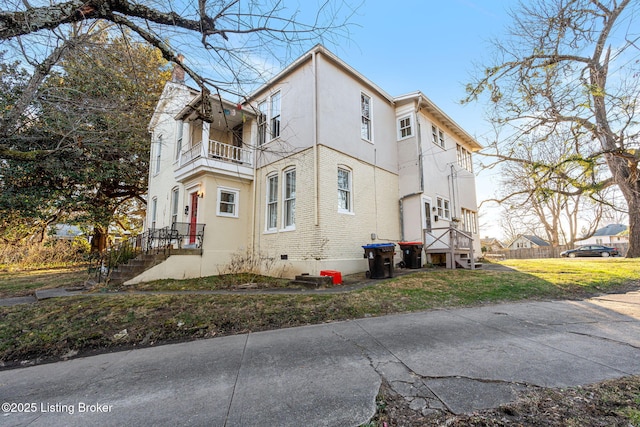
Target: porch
[214,157]
[211,139]
[451,246]
[133,256]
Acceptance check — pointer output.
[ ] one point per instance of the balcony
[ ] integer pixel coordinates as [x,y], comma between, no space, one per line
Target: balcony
[215,157]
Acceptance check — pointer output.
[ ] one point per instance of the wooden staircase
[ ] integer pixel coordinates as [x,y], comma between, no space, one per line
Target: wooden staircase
[451,247]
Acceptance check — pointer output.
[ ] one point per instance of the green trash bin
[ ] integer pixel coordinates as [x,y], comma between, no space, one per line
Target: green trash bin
[380,256]
[411,254]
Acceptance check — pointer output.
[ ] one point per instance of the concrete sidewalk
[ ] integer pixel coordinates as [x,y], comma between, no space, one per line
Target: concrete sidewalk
[328,375]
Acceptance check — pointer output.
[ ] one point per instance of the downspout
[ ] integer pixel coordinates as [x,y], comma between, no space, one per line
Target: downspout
[419,142]
[254,201]
[316,169]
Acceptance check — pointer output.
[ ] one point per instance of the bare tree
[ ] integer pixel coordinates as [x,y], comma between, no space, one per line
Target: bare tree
[571,66]
[547,188]
[233,36]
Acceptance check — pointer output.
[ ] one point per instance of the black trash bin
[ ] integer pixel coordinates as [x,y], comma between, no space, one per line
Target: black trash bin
[411,254]
[380,256]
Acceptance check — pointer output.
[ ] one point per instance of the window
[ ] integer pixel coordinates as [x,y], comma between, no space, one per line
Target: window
[469,221]
[275,115]
[344,190]
[228,202]
[158,154]
[289,213]
[404,127]
[442,207]
[365,110]
[272,202]
[437,135]
[179,134]
[464,158]
[262,122]
[175,193]
[154,212]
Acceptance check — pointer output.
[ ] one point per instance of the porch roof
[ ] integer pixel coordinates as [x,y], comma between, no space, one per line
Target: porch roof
[220,110]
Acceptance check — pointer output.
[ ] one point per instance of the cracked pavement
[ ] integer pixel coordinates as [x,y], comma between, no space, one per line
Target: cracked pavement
[457,361]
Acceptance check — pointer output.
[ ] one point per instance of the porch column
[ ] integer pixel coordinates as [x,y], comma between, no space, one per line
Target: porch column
[186,135]
[206,126]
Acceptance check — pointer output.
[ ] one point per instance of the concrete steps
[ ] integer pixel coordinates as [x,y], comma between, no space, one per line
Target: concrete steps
[134,267]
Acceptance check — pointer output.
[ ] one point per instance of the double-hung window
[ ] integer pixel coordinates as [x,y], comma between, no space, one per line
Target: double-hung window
[464,158]
[158,154]
[365,112]
[262,122]
[154,212]
[437,136]
[228,202]
[179,135]
[443,209]
[344,190]
[405,129]
[289,199]
[175,193]
[272,202]
[275,115]
[469,221]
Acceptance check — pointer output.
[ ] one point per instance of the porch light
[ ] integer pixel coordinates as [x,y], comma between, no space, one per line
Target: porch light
[186,210]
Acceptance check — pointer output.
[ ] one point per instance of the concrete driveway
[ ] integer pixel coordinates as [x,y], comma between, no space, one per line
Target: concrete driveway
[456,360]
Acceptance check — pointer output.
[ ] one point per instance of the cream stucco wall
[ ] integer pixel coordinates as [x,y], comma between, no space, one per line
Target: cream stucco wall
[320,131]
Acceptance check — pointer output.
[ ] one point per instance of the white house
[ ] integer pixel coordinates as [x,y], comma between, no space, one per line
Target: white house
[525,241]
[612,234]
[316,163]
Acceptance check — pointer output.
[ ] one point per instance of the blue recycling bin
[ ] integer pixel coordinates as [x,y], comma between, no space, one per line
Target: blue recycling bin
[380,257]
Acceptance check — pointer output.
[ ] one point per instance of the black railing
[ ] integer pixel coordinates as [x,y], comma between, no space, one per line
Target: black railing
[154,241]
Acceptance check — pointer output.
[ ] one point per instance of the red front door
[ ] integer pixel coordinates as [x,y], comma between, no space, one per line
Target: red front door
[193,219]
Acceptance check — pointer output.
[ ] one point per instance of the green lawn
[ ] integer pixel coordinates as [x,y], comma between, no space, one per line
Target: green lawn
[54,328]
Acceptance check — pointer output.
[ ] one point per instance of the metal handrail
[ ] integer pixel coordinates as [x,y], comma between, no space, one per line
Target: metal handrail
[154,241]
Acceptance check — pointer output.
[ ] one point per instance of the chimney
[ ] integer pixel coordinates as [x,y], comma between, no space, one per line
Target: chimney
[177,75]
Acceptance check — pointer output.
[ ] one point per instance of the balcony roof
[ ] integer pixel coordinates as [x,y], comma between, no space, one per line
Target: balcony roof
[220,109]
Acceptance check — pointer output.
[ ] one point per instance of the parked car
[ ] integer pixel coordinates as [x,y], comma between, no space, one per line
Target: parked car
[590,250]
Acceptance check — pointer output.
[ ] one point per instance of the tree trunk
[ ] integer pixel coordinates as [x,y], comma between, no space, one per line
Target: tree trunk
[625,174]
[633,200]
[99,239]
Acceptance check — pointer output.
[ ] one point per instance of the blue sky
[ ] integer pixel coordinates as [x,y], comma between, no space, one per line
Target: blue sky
[431,46]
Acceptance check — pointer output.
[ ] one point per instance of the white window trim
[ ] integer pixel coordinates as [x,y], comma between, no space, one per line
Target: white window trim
[236,202]
[439,137]
[440,208]
[175,200]
[411,126]
[158,156]
[370,118]
[349,190]
[272,116]
[290,227]
[154,212]
[267,203]
[179,139]
[263,118]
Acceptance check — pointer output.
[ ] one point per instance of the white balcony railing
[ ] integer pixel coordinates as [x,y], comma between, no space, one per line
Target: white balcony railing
[191,154]
[229,152]
[218,151]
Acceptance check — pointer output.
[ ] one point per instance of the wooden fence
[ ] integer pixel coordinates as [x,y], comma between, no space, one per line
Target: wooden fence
[540,252]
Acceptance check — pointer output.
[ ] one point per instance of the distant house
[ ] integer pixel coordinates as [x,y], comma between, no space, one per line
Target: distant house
[527,241]
[491,244]
[65,232]
[609,235]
